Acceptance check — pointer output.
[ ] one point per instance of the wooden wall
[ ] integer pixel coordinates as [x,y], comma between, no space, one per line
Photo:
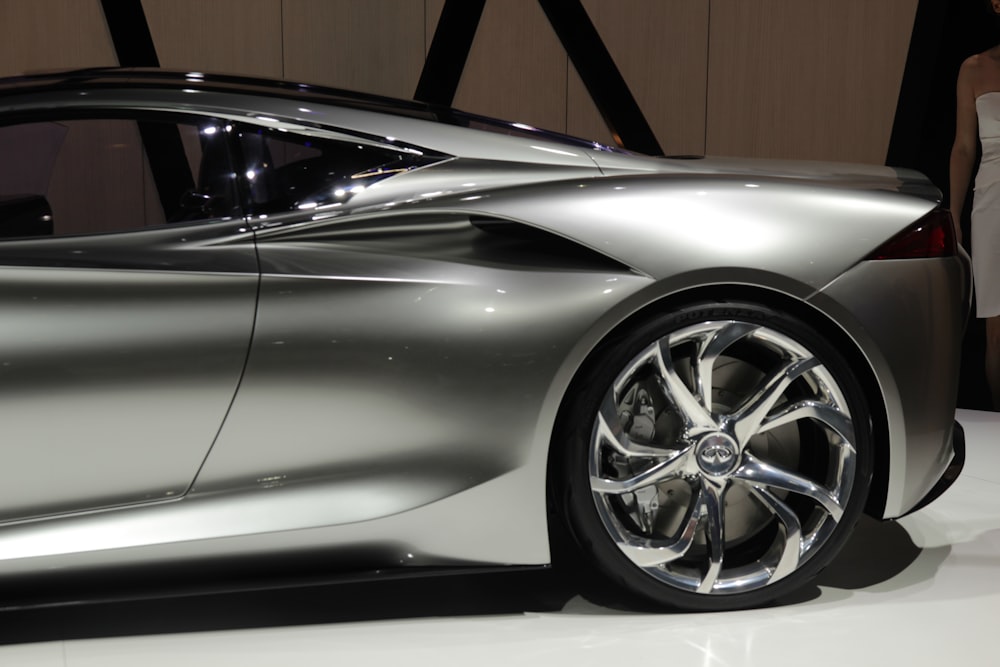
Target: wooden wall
[773,78]
[806,79]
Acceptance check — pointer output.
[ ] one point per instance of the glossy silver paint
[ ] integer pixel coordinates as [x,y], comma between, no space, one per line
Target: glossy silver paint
[397,379]
[106,340]
[875,302]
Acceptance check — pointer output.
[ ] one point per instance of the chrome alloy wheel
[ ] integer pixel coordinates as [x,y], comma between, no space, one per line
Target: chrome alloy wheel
[722,458]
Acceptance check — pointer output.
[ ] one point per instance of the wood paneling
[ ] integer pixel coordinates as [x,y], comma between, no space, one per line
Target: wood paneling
[811,80]
[517,69]
[661,49]
[232,36]
[782,78]
[53,34]
[376,47]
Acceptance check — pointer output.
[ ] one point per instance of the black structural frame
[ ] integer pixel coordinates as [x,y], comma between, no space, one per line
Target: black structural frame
[453,37]
[134,47]
[603,80]
[130,33]
[456,31]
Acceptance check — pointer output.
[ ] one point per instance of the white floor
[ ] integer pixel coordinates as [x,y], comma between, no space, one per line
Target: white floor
[923,591]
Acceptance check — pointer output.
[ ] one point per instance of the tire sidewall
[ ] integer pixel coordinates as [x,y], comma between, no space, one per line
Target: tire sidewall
[577,509]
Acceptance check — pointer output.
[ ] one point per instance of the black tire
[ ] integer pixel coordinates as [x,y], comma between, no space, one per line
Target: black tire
[716,508]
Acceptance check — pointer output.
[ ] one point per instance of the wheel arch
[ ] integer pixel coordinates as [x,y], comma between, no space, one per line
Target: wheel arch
[810,315]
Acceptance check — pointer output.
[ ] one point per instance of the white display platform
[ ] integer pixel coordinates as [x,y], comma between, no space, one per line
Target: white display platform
[923,591]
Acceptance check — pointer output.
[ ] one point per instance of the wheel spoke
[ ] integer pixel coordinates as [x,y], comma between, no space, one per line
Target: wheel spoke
[846,462]
[696,417]
[792,528]
[723,456]
[761,474]
[646,358]
[821,412]
[715,531]
[669,468]
[748,418]
[647,553]
[709,351]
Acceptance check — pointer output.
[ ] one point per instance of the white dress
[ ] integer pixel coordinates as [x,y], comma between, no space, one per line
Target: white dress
[986,209]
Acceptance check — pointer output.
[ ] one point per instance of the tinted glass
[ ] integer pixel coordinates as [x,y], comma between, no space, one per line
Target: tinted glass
[288,172]
[82,176]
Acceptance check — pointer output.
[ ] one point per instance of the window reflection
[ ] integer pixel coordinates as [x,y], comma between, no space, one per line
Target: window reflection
[67,176]
[288,172]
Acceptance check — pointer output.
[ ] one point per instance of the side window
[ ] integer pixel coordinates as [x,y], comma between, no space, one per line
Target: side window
[84,176]
[288,172]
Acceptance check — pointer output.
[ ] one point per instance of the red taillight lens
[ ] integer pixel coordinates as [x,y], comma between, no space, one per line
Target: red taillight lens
[931,236]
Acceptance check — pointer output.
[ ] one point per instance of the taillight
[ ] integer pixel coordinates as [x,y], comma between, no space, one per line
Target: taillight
[931,236]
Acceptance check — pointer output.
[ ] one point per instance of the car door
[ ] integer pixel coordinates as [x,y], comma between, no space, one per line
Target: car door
[310,364]
[128,285]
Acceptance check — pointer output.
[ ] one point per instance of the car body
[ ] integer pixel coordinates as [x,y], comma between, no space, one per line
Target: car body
[251,317]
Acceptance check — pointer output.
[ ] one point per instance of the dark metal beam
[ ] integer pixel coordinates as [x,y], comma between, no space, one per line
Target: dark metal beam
[134,47]
[600,75]
[130,33]
[456,29]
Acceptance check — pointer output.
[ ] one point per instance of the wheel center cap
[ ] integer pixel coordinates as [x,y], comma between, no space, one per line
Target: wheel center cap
[717,454]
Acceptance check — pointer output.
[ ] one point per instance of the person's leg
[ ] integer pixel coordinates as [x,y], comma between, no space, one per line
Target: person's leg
[993,359]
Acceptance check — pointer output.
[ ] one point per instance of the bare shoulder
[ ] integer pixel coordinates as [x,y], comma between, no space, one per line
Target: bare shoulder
[980,72]
[975,63]
[969,75]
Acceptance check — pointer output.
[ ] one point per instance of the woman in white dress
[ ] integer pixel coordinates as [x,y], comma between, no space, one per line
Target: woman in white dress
[979,115]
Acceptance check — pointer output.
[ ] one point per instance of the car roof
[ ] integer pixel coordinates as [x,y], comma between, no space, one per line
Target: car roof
[154,78]
[117,77]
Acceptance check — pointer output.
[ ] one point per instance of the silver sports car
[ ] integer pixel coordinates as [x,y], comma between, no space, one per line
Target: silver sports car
[243,317]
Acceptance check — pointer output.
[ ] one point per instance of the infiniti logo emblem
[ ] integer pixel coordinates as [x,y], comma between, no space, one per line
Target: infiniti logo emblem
[717,454]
